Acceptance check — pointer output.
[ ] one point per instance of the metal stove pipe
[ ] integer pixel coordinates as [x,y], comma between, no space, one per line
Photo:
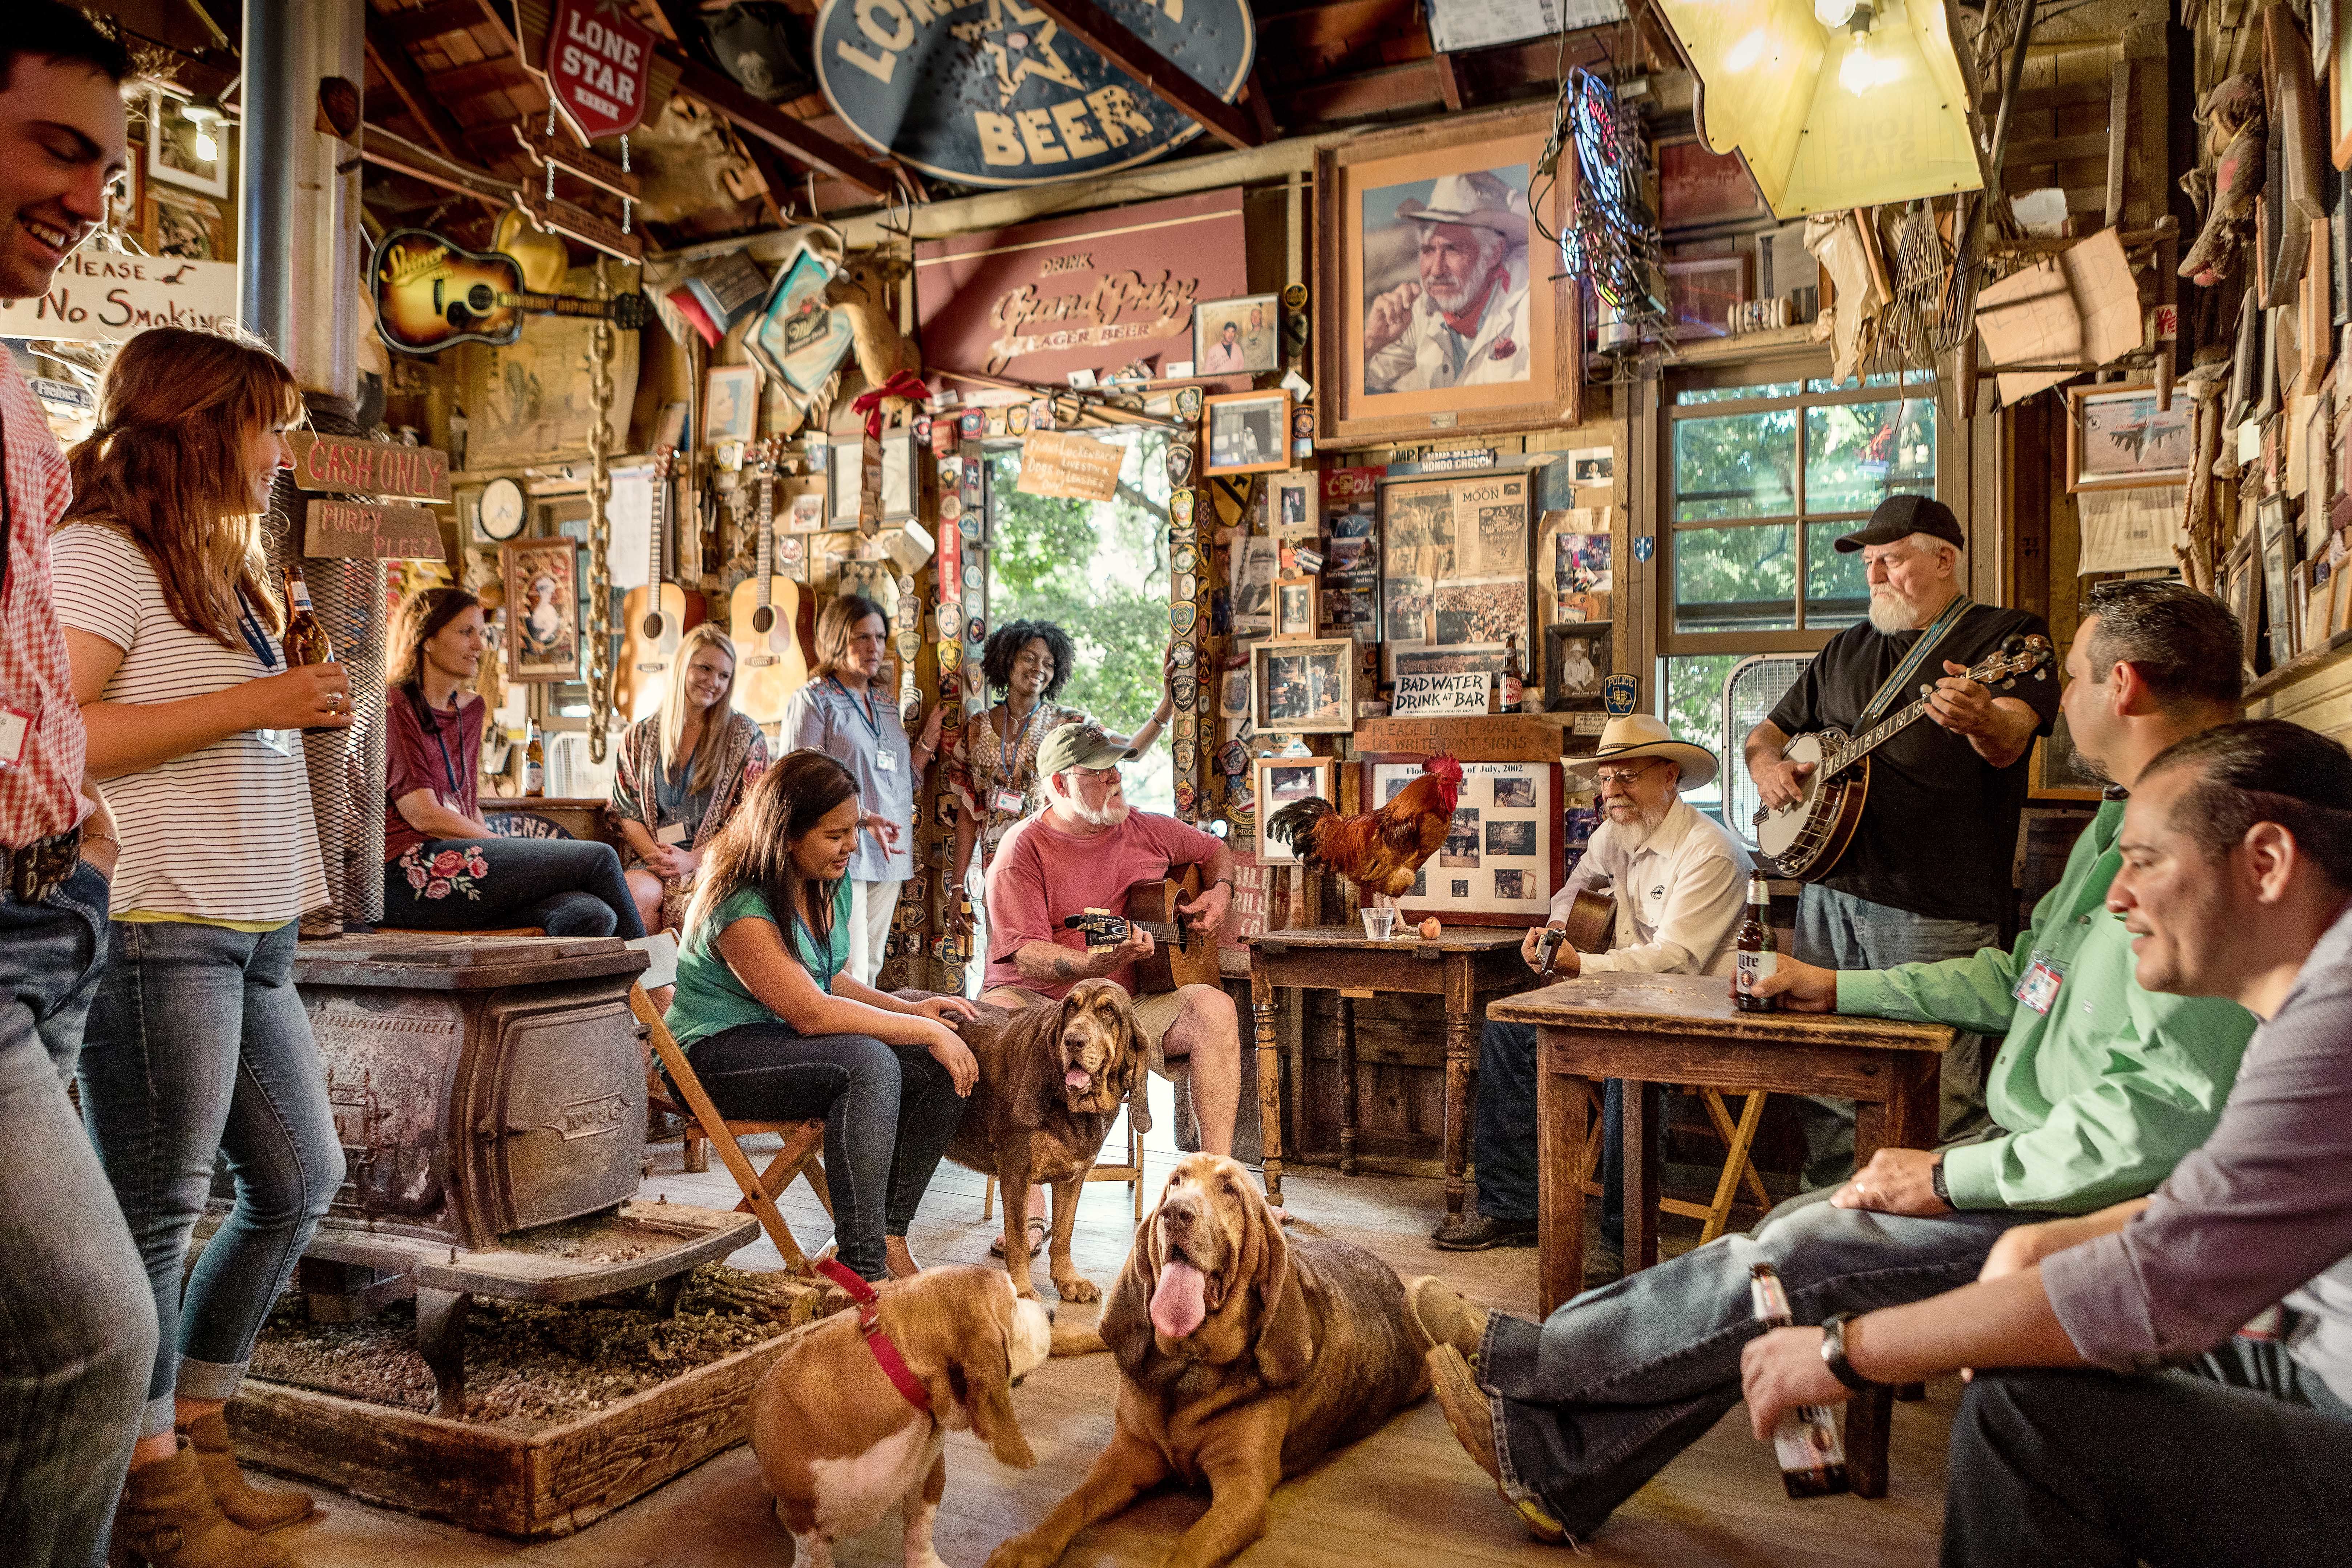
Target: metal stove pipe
[303,264]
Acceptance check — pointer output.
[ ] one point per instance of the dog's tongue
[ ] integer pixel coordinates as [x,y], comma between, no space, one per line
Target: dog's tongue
[1181,1301]
[1078,1078]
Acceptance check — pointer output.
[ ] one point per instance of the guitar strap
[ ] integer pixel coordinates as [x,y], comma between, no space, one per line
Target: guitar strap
[1898,683]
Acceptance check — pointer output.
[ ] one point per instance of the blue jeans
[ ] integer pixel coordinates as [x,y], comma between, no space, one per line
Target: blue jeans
[1838,931]
[1599,1397]
[198,1045]
[888,1113]
[1505,1134]
[77,1324]
[566,886]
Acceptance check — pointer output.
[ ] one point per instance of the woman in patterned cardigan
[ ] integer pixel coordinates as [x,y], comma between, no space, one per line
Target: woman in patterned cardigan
[680,775]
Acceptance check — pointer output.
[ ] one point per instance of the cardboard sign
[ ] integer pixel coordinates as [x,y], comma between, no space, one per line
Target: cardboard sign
[1073,468]
[1420,696]
[1500,738]
[350,532]
[599,66]
[338,465]
[103,296]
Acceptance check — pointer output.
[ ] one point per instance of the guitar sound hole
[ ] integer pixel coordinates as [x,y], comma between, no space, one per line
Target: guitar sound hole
[481,297]
[762,619]
[653,625]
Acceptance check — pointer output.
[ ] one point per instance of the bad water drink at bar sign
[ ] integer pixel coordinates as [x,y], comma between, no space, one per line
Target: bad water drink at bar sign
[1417,694]
[599,66]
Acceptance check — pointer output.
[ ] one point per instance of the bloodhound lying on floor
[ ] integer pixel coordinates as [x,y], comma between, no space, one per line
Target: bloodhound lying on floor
[1243,1355]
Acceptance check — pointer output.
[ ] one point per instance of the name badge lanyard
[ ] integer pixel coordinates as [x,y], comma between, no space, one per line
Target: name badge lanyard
[825,981]
[868,715]
[255,638]
[431,720]
[1008,753]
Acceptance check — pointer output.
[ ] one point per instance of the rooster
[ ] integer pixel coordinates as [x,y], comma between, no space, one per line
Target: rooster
[1379,851]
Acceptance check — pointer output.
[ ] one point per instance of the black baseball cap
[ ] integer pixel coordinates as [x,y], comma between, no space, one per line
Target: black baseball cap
[1900,517]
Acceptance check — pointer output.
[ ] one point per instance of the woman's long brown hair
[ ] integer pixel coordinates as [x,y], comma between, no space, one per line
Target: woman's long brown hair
[835,627]
[167,467]
[417,621]
[783,806]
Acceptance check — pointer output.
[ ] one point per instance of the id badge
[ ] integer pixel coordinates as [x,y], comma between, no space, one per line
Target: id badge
[1008,801]
[673,834]
[15,726]
[886,761]
[2038,988]
[285,742]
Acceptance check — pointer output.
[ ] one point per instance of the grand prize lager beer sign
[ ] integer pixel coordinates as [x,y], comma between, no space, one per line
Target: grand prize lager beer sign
[990,92]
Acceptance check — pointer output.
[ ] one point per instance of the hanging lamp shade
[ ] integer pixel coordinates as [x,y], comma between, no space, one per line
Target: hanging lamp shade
[1833,103]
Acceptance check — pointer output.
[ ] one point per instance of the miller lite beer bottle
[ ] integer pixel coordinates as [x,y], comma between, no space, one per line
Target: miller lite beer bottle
[1758,956]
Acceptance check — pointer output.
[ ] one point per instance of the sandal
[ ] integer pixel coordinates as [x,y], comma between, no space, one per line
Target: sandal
[1037,1228]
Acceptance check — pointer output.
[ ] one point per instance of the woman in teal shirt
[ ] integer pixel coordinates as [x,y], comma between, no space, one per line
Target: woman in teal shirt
[778,1030]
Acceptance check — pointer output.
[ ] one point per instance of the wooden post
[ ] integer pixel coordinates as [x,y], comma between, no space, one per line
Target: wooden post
[1461,1057]
[1269,1076]
[1347,1083]
[1560,1146]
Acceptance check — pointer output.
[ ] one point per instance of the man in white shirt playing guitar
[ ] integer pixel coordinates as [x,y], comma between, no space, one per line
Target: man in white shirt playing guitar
[1927,874]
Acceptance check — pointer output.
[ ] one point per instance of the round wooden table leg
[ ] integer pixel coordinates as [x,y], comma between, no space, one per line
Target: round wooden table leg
[1461,1055]
[1346,1085]
[1269,1080]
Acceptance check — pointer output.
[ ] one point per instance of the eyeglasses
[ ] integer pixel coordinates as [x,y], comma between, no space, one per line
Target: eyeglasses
[1620,775]
[1109,776]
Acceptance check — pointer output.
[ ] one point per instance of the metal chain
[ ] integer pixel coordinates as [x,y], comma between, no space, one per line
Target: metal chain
[600,531]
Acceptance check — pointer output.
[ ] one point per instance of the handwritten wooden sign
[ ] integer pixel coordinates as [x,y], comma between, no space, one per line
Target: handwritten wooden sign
[350,531]
[1493,738]
[104,296]
[1074,467]
[338,465]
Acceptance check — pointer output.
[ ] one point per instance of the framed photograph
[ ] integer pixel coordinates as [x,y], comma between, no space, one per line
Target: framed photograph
[2339,598]
[187,151]
[1248,432]
[185,226]
[797,334]
[731,404]
[1283,781]
[1294,619]
[1577,660]
[1237,337]
[1234,694]
[2118,439]
[543,585]
[1456,569]
[2058,771]
[1504,854]
[1304,688]
[2243,574]
[1698,187]
[2277,547]
[1701,295]
[1414,224]
[845,468]
[1297,510]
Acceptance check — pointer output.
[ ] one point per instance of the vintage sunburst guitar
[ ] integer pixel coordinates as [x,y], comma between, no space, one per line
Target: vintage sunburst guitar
[431,293]
[1805,840]
[774,618]
[654,618]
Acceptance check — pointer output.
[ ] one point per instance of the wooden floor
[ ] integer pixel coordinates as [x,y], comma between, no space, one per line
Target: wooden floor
[1408,1495]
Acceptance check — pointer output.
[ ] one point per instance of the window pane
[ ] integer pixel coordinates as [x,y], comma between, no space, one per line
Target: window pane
[1858,454]
[1736,579]
[1695,712]
[1737,394]
[1836,593]
[1739,466]
[1888,378]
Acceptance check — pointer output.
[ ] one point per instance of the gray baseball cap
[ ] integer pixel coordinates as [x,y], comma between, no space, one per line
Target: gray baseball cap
[1077,744]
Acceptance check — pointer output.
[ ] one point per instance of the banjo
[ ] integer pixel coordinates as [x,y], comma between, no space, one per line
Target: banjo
[1804,840]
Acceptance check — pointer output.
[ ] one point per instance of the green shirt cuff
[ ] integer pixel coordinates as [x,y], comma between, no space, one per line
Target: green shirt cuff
[1973,1174]
[1865,993]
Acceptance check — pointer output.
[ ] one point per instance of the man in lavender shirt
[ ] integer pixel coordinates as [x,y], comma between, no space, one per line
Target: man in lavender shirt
[2237,882]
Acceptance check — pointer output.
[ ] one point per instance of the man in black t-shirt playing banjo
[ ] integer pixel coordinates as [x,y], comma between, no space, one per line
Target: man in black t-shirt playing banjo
[1926,876]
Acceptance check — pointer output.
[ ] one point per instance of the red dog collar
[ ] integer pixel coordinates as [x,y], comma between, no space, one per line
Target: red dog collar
[869,1320]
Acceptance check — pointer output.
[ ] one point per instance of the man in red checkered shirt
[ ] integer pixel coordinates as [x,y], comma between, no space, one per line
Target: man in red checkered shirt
[77,1316]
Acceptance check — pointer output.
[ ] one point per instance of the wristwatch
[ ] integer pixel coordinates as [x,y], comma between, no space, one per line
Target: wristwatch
[1834,1353]
[1936,1181]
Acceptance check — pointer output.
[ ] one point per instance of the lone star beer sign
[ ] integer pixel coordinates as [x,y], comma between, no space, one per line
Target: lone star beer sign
[990,92]
[599,66]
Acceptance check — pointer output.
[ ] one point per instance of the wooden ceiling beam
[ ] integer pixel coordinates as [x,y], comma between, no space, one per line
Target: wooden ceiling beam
[390,150]
[498,73]
[1116,42]
[773,126]
[428,23]
[424,106]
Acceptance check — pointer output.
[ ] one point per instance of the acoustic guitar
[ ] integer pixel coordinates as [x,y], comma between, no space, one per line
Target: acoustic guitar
[655,618]
[431,293]
[1592,922]
[773,616]
[1182,953]
[1805,840]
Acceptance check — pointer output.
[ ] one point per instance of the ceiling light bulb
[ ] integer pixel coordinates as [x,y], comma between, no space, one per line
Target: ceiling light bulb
[207,148]
[1834,12]
[1862,72]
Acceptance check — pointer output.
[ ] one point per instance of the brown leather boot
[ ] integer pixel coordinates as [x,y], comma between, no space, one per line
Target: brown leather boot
[245,1504]
[168,1520]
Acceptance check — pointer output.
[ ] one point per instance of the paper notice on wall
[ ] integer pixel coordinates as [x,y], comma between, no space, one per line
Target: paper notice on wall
[2100,278]
[2129,531]
[630,510]
[2031,318]
[1419,695]
[1076,468]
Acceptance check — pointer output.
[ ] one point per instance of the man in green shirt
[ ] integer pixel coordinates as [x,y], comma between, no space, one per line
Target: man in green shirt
[2098,1089]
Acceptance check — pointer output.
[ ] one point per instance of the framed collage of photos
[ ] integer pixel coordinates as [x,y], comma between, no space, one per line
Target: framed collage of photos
[1454,573]
[1503,859]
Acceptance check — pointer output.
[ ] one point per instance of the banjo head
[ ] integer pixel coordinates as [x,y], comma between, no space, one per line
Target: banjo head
[1778,829]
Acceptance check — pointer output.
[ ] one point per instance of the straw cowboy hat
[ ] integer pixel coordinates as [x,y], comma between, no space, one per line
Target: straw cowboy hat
[1477,199]
[1640,735]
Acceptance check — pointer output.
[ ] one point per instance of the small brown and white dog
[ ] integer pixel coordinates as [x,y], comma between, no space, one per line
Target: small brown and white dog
[838,1443]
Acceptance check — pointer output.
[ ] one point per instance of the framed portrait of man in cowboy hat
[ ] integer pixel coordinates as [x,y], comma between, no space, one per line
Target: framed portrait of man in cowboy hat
[1441,306]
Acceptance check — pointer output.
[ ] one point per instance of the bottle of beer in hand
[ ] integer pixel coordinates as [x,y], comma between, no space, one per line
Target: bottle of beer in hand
[1806,1442]
[1758,956]
[306,638]
[534,766]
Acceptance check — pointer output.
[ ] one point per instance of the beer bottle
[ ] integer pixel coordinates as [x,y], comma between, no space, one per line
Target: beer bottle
[1806,1442]
[1757,956]
[1515,688]
[534,766]
[306,638]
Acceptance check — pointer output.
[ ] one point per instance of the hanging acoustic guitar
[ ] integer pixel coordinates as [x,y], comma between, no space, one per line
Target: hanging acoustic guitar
[1805,840]
[773,617]
[431,292]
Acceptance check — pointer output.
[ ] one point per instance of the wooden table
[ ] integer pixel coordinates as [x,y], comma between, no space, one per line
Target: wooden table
[1458,966]
[1683,1029]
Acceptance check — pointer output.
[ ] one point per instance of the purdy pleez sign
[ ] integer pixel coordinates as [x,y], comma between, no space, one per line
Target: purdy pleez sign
[992,92]
[599,66]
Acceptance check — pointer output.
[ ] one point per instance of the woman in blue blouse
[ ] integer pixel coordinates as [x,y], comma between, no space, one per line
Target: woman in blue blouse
[778,1029]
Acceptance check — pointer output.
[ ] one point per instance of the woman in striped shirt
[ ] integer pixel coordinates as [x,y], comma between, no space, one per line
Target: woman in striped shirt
[197,1043]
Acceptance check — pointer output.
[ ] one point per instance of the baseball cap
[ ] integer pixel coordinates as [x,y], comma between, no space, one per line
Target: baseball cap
[1077,744]
[1900,517]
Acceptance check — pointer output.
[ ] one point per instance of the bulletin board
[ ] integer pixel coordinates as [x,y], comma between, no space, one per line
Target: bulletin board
[1503,860]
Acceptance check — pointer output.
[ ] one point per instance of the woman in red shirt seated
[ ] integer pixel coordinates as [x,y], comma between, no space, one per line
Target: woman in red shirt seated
[444,869]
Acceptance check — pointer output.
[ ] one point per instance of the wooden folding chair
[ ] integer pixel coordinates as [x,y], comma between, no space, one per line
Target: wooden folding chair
[798,1157]
[1738,1138]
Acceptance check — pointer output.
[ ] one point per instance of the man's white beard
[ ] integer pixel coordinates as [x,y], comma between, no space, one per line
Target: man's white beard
[1456,298]
[1105,817]
[1645,822]
[1891,612]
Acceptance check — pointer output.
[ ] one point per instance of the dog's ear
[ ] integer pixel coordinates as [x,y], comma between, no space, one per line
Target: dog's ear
[1137,1086]
[1126,1323]
[985,1368]
[1285,1338]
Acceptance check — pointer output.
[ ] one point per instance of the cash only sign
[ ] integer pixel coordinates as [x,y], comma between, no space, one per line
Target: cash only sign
[992,92]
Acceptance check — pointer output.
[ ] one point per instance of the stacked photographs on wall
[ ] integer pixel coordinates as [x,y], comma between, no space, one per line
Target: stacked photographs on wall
[1501,860]
[1351,565]
[1456,573]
